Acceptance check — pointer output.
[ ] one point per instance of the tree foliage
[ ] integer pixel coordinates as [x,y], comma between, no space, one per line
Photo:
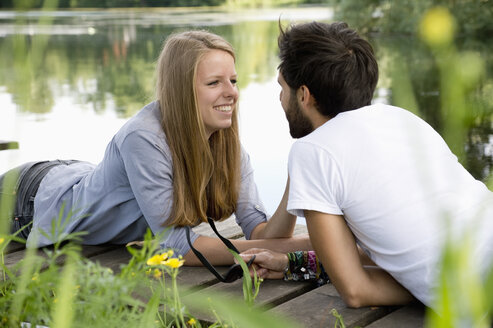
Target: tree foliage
[26,4]
[388,16]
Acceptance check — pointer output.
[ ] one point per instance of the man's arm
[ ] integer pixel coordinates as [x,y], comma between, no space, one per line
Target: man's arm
[280,225]
[359,286]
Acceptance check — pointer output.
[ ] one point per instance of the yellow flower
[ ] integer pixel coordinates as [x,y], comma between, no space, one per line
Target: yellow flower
[437,27]
[157,273]
[157,259]
[191,322]
[174,263]
[170,253]
[2,240]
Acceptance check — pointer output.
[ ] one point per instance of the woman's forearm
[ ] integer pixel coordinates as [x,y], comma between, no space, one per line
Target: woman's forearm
[217,253]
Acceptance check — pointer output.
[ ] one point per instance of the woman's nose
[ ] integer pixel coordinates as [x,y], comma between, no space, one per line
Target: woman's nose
[231,90]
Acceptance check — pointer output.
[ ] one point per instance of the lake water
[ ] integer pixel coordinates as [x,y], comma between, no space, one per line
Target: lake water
[70,79]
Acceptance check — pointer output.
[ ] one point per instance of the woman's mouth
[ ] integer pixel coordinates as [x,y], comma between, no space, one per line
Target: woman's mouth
[224,108]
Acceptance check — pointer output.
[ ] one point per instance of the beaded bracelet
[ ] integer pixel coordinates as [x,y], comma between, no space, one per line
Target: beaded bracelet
[305,266]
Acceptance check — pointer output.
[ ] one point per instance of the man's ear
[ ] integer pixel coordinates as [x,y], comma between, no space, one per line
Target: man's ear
[308,105]
[305,97]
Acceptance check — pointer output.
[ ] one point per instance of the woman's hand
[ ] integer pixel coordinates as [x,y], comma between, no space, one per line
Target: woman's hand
[268,264]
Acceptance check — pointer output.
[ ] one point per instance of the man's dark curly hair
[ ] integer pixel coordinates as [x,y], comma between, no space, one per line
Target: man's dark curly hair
[333,61]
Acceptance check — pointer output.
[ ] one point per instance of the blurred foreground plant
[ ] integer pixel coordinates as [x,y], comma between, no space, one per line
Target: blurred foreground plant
[60,288]
[464,297]
[250,291]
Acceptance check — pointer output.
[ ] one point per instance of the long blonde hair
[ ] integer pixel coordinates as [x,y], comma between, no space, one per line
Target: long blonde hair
[206,172]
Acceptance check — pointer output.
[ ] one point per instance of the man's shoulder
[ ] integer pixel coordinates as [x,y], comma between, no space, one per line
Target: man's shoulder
[352,128]
[311,147]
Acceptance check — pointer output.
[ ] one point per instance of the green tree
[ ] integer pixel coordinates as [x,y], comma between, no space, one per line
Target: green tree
[388,16]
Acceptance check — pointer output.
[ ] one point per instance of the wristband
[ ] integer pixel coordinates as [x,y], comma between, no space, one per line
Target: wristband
[304,266]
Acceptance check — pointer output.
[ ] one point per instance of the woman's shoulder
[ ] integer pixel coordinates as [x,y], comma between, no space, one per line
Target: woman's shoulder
[147,122]
[147,119]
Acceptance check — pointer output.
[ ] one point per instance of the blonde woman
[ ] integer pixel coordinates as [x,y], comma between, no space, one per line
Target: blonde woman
[175,163]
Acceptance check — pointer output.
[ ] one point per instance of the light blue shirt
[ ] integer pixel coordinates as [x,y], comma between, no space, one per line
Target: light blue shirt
[129,191]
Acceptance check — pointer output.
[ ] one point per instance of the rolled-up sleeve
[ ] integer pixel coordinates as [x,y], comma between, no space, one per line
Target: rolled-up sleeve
[176,239]
[250,210]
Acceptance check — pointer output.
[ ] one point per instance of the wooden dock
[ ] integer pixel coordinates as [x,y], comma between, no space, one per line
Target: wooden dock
[301,301]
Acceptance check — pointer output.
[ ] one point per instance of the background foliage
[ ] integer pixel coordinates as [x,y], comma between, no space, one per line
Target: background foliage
[389,16]
[24,4]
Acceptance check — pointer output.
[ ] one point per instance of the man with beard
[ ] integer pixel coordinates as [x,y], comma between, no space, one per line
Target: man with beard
[379,188]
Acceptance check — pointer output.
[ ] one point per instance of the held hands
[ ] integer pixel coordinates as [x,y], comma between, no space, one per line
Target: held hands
[268,264]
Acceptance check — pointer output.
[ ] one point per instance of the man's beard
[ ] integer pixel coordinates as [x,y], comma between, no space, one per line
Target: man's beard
[299,124]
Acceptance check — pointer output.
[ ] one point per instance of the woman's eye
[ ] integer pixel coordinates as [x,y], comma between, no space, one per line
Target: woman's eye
[233,81]
[213,83]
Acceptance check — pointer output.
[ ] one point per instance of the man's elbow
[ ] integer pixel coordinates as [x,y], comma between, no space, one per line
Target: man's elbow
[353,302]
[353,297]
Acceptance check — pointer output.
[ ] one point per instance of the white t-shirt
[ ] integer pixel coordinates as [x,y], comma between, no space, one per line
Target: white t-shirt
[398,186]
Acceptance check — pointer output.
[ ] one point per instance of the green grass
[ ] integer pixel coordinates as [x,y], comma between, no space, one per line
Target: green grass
[76,292]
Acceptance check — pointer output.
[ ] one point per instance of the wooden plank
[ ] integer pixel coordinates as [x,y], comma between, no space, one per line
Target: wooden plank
[313,309]
[4,145]
[114,256]
[188,276]
[14,246]
[410,316]
[271,293]
[198,277]
[13,258]
[93,250]
[227,228]
[113,259]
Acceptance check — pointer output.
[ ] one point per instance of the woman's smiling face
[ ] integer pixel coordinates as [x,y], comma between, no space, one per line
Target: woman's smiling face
[217,93]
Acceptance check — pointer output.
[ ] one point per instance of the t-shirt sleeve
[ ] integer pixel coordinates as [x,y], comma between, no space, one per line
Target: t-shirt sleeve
[315,181]
[250,210]
[148,166]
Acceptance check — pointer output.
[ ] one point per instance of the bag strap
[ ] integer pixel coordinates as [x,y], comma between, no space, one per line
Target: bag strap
[202,258]
[225,241]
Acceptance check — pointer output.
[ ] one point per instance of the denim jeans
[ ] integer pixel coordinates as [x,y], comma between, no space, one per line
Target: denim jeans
[18,188]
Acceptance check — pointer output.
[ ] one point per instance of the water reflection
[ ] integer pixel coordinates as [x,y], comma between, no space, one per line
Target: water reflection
[66,87]
[115,51]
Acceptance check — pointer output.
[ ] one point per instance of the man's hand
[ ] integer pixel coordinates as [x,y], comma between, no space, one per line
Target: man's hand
[268,264]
